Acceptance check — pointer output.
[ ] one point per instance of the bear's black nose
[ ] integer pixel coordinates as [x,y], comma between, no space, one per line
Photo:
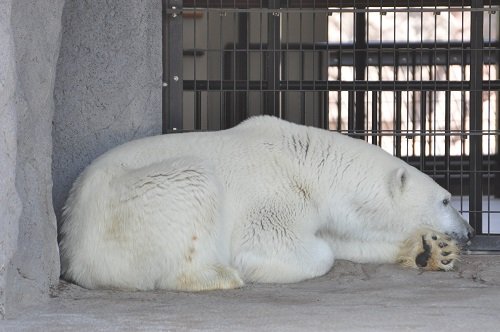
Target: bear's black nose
[471,234]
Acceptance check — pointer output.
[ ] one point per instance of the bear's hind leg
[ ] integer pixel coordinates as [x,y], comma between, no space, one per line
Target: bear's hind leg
[175,234]
[429,250]
[209,278]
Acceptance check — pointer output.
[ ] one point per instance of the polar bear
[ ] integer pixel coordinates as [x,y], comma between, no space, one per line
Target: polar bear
[266,201]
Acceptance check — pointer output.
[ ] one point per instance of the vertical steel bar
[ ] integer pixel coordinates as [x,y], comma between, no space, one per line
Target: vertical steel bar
[447,130]
[197,94]
[210,96]
[287,69]
[380,76]
[227,75]
[414,103]
[325,64]
[475,120]
[433,95]
[374,117]
[496,172]
[240,111]
[323,95]
[463,108]
[250,56]
[423,104]
[398,123]
[409,95]
[222,92]
[397,99]
[359,67]
[422,92]
[172,70]
[430,109]
[447,110]
[314,64]
[302,69]
[339,68]
[273,59]
[197,111]
[350,113]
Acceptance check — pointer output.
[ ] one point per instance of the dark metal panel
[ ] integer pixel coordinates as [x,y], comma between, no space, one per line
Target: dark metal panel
[475,122]
[173,66]
[273,60]
[164,64]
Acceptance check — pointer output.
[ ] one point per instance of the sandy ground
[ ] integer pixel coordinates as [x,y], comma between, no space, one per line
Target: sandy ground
[352,297]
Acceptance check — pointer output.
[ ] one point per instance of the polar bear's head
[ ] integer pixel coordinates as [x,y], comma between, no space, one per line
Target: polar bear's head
[422,202]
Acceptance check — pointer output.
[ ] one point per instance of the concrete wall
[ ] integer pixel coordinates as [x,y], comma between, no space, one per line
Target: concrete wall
[107,90]
[108,87]
[30,40]
[10,204]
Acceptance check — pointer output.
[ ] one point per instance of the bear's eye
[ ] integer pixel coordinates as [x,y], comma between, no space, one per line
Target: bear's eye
[446,201]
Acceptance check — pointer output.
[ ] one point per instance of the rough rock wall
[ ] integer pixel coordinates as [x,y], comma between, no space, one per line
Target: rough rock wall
[108,91]
[10,204]
[108,86]
[30,40]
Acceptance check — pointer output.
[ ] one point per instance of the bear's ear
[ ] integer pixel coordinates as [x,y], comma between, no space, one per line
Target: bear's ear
[398,181]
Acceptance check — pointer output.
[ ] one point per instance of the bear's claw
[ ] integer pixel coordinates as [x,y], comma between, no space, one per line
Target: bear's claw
[429,250]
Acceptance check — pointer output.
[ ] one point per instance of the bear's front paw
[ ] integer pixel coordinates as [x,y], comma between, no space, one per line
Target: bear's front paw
[429,250]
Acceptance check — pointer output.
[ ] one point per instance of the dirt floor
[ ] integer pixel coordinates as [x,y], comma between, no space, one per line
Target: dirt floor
[352,297]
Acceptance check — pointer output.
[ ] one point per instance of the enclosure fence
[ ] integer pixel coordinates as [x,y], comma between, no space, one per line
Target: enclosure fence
[418,78]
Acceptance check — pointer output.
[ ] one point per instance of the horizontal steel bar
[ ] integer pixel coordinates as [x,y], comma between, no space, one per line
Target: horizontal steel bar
[485,243]
[226,85]
[409,58]
[335,7]
[400,54]
[425,46]
[414,134]
[427,133]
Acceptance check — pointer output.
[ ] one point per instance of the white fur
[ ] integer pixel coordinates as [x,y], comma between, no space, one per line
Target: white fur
[266,201]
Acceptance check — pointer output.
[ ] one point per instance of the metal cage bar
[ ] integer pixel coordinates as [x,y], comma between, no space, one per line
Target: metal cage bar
[476,112]
[267,69]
